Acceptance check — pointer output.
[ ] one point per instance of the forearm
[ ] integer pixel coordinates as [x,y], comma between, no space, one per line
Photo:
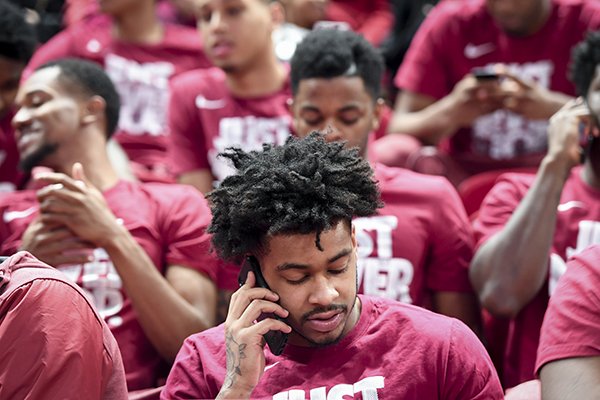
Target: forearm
[229,393]
[165,316]
[511,267]
[556,101]
[571,378]
[430,125]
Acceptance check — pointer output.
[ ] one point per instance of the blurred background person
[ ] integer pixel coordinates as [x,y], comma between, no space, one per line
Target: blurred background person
[418,247]
[530,224]
[243,101]
[140,250]
[496,121]
[17,44]
[141,55]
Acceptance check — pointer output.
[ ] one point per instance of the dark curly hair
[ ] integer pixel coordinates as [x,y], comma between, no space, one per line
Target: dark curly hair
[304,186]
[329,53]
[17,38]
[91,80]
[585,59]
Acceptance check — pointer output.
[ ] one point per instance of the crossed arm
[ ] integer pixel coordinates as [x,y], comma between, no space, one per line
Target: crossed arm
[74,215]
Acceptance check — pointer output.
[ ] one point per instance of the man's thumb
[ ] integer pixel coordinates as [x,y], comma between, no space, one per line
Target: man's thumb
[79,175]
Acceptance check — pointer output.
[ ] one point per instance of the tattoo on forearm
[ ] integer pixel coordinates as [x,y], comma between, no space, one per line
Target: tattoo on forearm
[235,355]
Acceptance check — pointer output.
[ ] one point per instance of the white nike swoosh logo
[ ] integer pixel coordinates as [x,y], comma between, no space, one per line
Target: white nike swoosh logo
[475,51]
[271,366]
[203,102]
[93,46]
[570,204]
[12,215]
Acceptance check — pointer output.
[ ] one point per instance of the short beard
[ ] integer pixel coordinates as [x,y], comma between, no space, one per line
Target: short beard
[36,158]
[229,69]
[330,342]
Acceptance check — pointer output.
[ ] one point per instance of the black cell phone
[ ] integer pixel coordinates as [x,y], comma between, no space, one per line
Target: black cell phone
[585,132]
[482,74]
[276,340]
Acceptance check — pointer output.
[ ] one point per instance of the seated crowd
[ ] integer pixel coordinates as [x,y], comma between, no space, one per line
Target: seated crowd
[222,199]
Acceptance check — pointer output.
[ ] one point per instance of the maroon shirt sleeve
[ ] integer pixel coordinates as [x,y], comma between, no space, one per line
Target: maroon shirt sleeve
[187,148]
[198,371]
[470,373]
[52,346]
[425,67]
[499,205]
[453,244]
[186,217]
[572,322]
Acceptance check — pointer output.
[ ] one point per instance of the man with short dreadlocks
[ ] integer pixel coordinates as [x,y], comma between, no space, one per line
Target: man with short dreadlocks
[289,211]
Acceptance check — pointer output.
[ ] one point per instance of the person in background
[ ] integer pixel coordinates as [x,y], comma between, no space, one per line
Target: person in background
[418,247]
[299,17]
[529,225]
[242,101]
[495,118]
[140,251]
[141,55]
[17,44]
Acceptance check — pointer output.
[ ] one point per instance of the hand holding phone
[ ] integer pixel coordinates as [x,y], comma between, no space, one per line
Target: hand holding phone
[568,132]
[485,75]
[244,345]
[276,340]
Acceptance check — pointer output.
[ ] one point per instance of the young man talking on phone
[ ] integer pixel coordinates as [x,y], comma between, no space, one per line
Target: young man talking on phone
[291,208]
[529,225]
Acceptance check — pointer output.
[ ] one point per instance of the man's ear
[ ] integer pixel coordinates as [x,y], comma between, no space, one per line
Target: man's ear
[290,106]
[377,112]
[93,110]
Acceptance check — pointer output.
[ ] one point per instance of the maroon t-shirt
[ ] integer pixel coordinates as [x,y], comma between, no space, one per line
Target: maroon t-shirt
[577,227]
[420,242]
[205,119]
[141,74]
[53,344]
[395,351]
[167,220]
[10,176]
[458,36]
[572,323]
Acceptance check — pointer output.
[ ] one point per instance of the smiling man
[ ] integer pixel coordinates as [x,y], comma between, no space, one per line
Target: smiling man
[141,55]
[140,251]
[290,208]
